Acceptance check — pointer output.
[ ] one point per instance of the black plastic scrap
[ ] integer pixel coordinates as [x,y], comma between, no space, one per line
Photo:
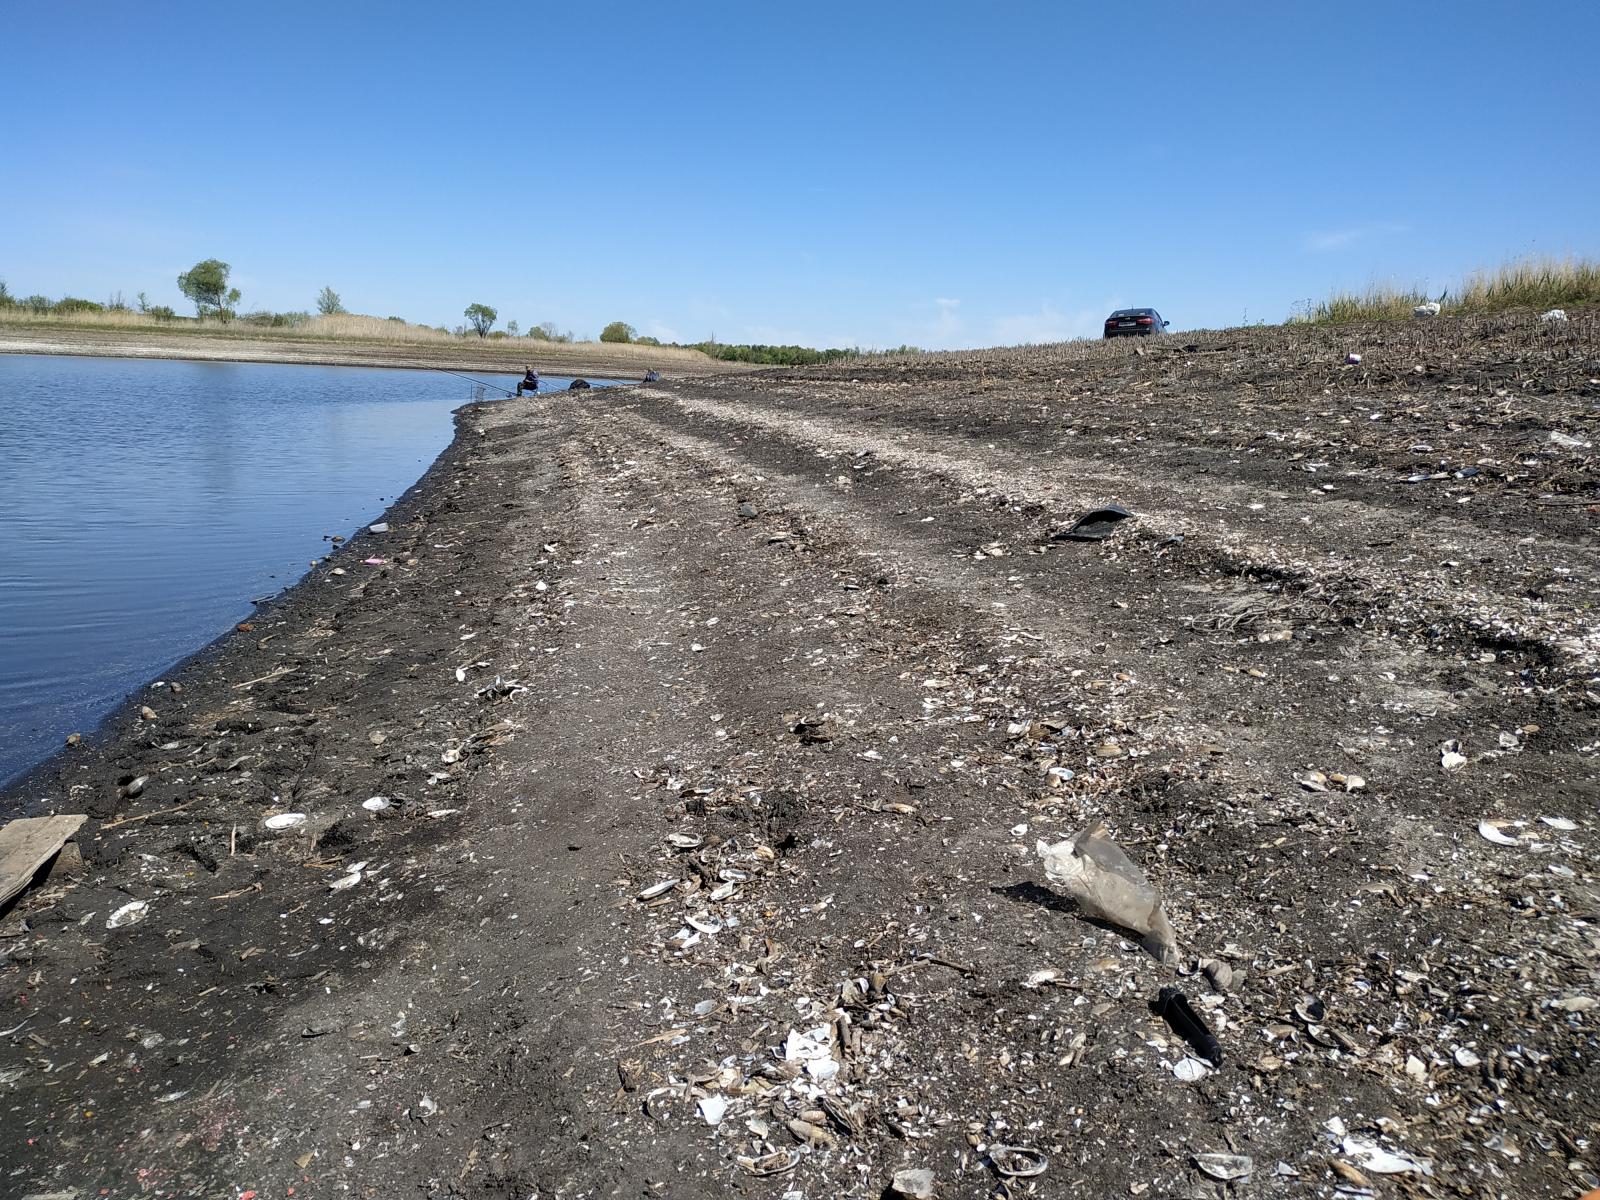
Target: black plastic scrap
[1095,525]
[1171,1004]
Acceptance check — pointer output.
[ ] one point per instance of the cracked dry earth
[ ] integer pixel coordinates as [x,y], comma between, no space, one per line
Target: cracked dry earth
[715,724]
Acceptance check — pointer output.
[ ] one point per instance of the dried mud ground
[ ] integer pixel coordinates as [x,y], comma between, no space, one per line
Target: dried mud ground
[796,658]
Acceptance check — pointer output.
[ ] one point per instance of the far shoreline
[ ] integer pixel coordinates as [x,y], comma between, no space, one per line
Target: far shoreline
[627,362]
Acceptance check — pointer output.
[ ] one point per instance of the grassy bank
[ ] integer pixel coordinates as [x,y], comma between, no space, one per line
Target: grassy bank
[343,327]
[333,340]
[1534,283]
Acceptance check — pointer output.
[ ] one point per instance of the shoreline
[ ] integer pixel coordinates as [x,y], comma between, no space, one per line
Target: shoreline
[123,720]
[554,358]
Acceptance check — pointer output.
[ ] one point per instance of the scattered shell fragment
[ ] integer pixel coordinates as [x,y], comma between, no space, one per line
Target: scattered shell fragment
[1466,1058]
[1018,1162]
[1311,1010]
[1041,977]
[1350,1175]
[685,841]
[286,820]
[1561,823]
[1450,756]
[1225,1167]
[1371,1157]
[778,1162]
[129,914]
[375,803]
[1489,831]
[713,1109]
[1574,1004]
[658,889]
[350,880]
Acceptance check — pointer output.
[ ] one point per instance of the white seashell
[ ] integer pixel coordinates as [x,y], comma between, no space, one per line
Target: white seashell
[348,881]
[723,891]
[1561,823]
[713,1109]
[685,841]
[1466,1058]
[375,803]
[1041,977]
[1370,1157]
[1489,831]
[1225,1166]
[704,926]
[658,889]
[285,820]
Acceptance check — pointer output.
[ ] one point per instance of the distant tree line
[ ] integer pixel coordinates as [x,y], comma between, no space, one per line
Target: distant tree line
[207,286]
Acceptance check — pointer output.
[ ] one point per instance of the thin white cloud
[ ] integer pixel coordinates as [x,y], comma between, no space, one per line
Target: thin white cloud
[1328,240]
[1048,324]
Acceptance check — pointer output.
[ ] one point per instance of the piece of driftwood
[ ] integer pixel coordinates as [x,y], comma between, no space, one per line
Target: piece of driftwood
[27,844]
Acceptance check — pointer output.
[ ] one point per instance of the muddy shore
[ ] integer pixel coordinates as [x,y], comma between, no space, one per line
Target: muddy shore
[671,790]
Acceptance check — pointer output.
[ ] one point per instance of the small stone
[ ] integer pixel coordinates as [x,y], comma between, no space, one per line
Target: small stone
[914,1183]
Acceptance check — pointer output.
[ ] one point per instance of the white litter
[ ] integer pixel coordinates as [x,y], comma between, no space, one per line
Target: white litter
[713,1108]
[129,914]
[285,820]
[1190,1070]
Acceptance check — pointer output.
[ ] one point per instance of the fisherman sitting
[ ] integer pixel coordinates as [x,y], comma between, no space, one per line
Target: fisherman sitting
[529,382]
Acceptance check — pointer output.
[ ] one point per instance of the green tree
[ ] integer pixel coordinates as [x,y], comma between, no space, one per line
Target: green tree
[329,304]
[617,331]
[6,298]
[512,328]
[206,283]
[143,302]
[482,318]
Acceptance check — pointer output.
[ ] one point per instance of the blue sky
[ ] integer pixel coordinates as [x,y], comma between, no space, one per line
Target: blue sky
[829,174]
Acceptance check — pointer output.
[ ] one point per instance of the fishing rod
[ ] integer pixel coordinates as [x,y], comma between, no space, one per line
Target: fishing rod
[480,382]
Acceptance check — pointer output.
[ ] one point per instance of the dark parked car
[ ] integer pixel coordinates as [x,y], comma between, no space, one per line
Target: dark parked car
[1134,322]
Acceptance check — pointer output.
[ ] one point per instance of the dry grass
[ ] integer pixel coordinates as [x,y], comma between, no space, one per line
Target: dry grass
[1534,283]
[351,329]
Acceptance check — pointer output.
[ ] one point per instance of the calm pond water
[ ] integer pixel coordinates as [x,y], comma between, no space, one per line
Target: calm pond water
[143,504]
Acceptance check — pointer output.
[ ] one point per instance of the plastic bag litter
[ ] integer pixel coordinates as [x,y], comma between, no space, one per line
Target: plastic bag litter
[1095,872]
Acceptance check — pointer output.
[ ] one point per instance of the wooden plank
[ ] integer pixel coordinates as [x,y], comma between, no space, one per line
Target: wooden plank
[29,843]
